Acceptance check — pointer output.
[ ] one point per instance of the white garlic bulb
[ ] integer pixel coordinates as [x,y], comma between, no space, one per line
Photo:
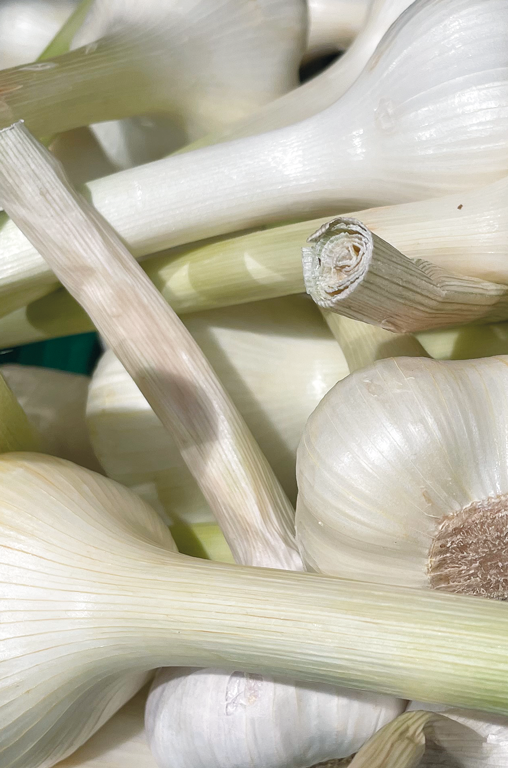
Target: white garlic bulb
[403,476]
[277,359]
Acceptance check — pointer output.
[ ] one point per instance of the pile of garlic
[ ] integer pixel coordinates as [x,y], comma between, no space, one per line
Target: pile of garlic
[272,533]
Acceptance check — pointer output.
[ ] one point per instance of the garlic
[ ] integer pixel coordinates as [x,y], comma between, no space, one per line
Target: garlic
[27,26]
[121,743]
[350,270]
[204,64]
[16,431]
[324,90]
[333,24]
[276,359]
[54,402]
[375,145]
[94,597]
[255,515]
[402,476]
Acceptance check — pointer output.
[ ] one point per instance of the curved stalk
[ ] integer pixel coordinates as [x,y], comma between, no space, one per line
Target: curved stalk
[363,344]
[351,271]
[347,156]
[93,596]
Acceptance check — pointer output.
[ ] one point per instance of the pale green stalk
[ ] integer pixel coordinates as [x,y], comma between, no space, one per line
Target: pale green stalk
[16,432]
[260,265]
[154,347]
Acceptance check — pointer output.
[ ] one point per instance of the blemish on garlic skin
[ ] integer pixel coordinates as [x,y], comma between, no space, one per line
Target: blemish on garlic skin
[91,47]
[469,554]
[385,115]
[243,689]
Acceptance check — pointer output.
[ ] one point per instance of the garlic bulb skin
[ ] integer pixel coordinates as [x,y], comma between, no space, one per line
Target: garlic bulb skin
[402,474]
[27,26]
[261,721]
[334,24]
[120,743]
[55,402]
[217,62]
[276,358]
[67,697]
[492,728]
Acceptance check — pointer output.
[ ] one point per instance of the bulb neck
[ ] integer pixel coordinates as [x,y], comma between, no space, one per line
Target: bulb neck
[468,555]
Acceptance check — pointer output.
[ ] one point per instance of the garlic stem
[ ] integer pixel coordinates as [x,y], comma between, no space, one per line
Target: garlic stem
[346,157]
[127,603]
[350,270]
[465,342]
[16,432]
[363,344]
[322,91]
[153,345]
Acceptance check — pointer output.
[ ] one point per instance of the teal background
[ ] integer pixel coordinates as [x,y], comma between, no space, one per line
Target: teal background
[77,354]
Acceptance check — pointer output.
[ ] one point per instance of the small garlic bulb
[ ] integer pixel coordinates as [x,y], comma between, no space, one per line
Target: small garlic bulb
[403,476]
[276,358]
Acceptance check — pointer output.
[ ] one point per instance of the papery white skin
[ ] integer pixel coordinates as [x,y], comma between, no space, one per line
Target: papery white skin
[391,138]
[277,359]
[217,61]
[55,404]
[120,743]
[212,719]
[389,452]
[327,87]
[27,26]
[493,729]
[333,24]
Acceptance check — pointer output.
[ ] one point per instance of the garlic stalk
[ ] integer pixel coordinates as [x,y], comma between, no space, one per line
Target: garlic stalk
[120,743]
[389,139]
[425,506]
[300,362]
[466,342]
[54,403]
[350,270]
[233,475]
[144,58]
[153,345]
[334,24]
[16,431]
[94,597]
[450,231]
[325,89]
[363,344]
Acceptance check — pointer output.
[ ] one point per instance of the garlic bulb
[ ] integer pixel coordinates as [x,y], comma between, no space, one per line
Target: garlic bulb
[121,743]
[252,720]
[55,403]
[375,145]
[276,359]
[402,476]
[203,63]
[94,597]
[324,89]
[333,24]
[27,26]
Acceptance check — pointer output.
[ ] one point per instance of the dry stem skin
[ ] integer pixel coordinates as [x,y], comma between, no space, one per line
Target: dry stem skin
[350,270]
[468,554]
[153,345]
